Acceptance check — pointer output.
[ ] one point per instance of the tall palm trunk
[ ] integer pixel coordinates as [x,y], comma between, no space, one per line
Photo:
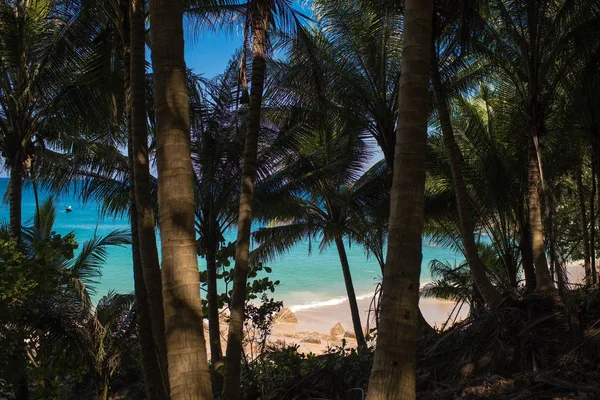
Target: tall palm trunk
[583,225]
[141,174]
[214,328]
[184,329]
[525,249]
[542,273]
[393,373]
[231,383]
[358,330]
[153,377]
[16,202]
[490,294]
[155,389]
[593,223]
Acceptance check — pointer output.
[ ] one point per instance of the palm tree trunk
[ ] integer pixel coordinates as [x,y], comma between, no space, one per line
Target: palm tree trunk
[358,330]
[583,225]
[394,365]
[141,174]
[542,273]
[214,327]
[153,376]
[490,294]
[231,383]
[593,224]
[16,200]
[184,330]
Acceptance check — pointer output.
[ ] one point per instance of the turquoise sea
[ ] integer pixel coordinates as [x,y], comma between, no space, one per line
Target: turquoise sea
[306,280]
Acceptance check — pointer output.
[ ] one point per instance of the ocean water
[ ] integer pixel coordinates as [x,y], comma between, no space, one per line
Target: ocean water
[307,280]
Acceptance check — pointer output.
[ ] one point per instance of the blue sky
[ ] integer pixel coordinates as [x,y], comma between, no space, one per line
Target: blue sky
[209,53]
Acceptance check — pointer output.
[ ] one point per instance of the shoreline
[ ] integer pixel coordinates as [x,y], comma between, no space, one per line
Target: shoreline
[312,332]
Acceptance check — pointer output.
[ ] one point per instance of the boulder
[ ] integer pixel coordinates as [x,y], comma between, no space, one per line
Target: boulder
[350,335]
[286,316]
[337,330]
[311,339]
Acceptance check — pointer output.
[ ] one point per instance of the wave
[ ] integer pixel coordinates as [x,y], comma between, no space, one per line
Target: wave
[327,303]
[309,305]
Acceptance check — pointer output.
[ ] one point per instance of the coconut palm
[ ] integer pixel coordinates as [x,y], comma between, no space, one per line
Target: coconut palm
[350,60]
[532,44]
[394,370]
[45,50]
[64,307]
[262,16]
[326,199]
[186,348]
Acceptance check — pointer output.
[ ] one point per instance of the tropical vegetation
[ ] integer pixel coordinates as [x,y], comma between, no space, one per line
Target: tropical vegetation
[380,124]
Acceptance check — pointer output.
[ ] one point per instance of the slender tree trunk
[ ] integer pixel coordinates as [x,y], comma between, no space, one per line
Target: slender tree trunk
[231,383]
[20,365]
[358,330]
[393,373]
[214,326]
[141,173]
[16,202]
[184,330]
[153,376]
[526,250]
[489,292]
[155,389]
[583,225]
[593,223]
[542,273]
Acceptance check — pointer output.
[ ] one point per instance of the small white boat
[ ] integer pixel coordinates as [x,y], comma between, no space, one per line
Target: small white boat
[69,209]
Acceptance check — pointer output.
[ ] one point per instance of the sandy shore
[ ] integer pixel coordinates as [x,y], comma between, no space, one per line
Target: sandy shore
[311,331]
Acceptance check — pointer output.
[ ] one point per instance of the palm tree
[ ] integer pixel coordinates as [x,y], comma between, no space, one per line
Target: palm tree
[45,49]
[325,199]
[394,370]
[449,56]
[62,312]
[186,348]
[261,16]
[217,148]
[531,44]
[150,281]
[350,61]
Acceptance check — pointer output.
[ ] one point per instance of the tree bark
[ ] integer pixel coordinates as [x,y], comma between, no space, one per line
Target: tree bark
[184,330]
[491,295]
[358,330]
[141,174]
[214,327]
[583,225]
[16,202]
[394,365]
[153,376]
[231,383]
[593,223]
[542,273]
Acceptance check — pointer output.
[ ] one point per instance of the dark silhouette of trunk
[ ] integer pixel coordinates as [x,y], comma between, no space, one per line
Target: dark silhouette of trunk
[155,389]
[525,249]
[542,273]
[141,174]
[583,226]
[593,223]
[214,327]
[358,330]
[20,365]
[16,202]
[184,329]
[491,295]
[153,376]
[393,375]
[231,383]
